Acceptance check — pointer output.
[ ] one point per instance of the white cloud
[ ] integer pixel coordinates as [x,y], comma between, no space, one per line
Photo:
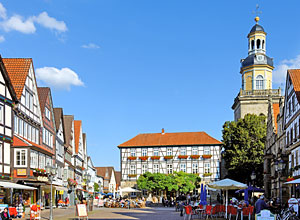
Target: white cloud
[90,46]
[2,11]
[279,74]
[58,78]
[17,23]
[50,22]
[2,39]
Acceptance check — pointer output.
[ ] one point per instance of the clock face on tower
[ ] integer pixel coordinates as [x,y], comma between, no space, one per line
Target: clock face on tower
[260,57]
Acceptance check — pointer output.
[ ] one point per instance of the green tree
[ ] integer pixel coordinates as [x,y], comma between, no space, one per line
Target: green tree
[96,187]
[244,143]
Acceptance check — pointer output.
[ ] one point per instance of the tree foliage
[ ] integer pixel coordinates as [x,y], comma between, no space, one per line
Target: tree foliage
[158,182]
[244,143]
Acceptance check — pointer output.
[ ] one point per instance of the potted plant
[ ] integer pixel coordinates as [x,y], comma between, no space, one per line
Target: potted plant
[131,158]
[183,156]
[144,158]
[195,156]
[207,174]
[168,157]
[206,156]
[155,157]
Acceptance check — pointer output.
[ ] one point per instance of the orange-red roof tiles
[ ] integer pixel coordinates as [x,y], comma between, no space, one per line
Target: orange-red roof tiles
[170,139]
[295,77]
[276,111]
[17,69]
[43,93]
[18,142]
[77,128]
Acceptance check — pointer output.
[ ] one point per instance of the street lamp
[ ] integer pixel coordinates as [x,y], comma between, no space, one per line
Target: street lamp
[279,168]
[51,171]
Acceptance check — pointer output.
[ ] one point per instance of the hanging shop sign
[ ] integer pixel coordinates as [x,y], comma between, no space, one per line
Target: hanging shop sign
[21,172]
[42,178]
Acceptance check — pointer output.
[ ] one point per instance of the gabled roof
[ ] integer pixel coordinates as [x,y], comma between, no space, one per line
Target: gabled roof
[68,120]
[295,77]
[43,93]
[171,139]
[276,111]
[22,142]
[77,129]
[84,141]
[118,178]
[8,81]
[17,69]
[58,115]
[102,171]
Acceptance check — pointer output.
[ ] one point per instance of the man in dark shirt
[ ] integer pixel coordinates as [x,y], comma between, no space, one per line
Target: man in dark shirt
[260,204]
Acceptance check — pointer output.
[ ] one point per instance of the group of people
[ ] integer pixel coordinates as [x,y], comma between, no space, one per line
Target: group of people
[122,202]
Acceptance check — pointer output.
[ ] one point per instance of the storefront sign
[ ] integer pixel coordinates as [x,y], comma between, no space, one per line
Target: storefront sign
[21,172]
[42,178]
[81,210]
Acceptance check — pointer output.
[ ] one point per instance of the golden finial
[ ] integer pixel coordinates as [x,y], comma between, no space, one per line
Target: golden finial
[257,12]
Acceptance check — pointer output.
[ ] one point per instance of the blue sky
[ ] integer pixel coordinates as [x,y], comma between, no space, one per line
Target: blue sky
[129,66]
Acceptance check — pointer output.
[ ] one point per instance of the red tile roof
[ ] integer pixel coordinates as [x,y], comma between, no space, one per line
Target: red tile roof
[77,129]
[68,125]
[17,69]
[171,139]
[22,142]
[105,172]
[276,111]
[43,93]
[295,77]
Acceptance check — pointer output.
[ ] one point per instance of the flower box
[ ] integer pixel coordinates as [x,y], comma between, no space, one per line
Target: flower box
[183,156]
[290,179]
[131,175]
[38,170]
[131,158]
[72,182]
[207,174]
[195,156]
[168,157]
[144,158]
[206,156]
[155,157]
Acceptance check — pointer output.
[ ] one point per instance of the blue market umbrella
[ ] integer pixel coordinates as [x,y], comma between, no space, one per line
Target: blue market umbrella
[251,189]
[246,196]
[205,196]
[201,195]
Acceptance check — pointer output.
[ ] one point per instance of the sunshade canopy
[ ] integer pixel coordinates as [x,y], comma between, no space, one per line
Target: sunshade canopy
[15,186]
[129,189]
[251,189]
[296,181]
[227,184]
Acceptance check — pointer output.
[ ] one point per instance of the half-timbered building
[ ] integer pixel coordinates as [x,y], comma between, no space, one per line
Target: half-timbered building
[28,154]
[190,152]
[78,154]
[8,99]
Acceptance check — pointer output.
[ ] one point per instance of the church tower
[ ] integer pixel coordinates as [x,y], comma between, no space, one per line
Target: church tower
[256,71]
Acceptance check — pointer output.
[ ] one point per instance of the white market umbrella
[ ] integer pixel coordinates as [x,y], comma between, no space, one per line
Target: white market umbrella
[128,190]
[296,181]
[227,184]
[15,186]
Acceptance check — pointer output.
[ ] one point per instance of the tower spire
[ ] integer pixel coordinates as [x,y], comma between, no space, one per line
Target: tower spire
[257,13]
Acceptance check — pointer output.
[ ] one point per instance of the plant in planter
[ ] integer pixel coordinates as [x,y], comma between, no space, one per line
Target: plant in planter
[131,158]
[132,175]
[155,157]
[207,174]
[183,156]
[168,157]
[144,158]
[195,156]
[206,156]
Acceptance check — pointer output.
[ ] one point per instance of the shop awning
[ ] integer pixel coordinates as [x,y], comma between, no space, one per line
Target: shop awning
[15,186]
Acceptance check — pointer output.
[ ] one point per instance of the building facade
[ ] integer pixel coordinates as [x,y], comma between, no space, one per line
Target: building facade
[8,100]
[190,152]
[109,179]
[256,71]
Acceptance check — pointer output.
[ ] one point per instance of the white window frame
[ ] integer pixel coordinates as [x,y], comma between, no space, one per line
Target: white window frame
[132,169]
[16,124]
[47,113]
[169,168]
[155,168]
[144,152]
[144,168]
[169,152]
[206,150]
[259,82]
[132,152]
[34,158]
[206,167]
[194,168]
[21,151]
[183,151]
[1,152]
[183,167]
[155,152]
[195,151]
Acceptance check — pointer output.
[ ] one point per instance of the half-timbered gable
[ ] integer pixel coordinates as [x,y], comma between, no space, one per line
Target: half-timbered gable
[109,178]
[292,120]
[8,99]
[190,152]
[79,152]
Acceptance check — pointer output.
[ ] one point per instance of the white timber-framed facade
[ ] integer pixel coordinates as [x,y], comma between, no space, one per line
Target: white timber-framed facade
[190,152]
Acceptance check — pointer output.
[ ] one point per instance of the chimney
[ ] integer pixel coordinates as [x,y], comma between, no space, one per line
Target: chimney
[162,131]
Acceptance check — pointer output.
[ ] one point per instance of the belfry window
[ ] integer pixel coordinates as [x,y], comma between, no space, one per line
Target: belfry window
[258,44]
[259,82]
[252,44]
[263,44]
